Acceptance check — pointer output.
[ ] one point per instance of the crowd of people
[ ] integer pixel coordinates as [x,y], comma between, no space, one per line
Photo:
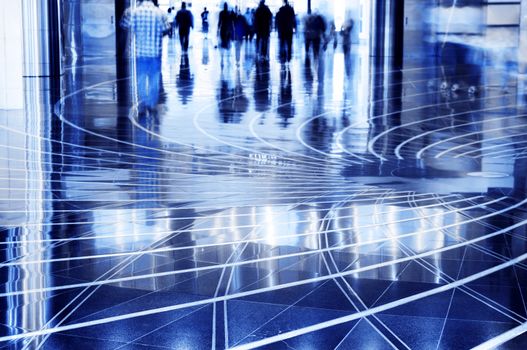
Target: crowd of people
[149,24]
[235,27]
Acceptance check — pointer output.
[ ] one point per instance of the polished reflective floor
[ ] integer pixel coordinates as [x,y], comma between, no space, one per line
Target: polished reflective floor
[322,204]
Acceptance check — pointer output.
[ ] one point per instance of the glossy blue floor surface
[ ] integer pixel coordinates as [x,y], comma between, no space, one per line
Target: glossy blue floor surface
[323,204]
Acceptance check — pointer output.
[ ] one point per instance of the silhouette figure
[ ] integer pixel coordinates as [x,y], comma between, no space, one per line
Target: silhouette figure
[315,29]
[225,30]
[263,19]
[286,26]
[185,21]
[205,21]
[240,32]
[249,18]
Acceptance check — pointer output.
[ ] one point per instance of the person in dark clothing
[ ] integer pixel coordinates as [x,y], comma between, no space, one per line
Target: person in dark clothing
[225,27]
[205,20]
[263,20]
[225,30]
[346,34]
[185,21]
[315,30]
[286,26]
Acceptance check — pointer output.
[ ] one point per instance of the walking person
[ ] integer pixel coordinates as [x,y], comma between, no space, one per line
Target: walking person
[184,21]
[225,30]
[263,20]
[171,18]
[249,18]
[148,25]
[346,34]
[315,31]
[240,32]
[286,27]
[205,21]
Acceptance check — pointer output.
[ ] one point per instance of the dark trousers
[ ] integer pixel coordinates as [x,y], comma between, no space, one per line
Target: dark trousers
[184,39]
[286,47]
[148,81]
[262,44]
[315,43]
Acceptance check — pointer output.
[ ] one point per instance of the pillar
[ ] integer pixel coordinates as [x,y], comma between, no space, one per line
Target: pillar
[387,30]
[42,38]
[522,48]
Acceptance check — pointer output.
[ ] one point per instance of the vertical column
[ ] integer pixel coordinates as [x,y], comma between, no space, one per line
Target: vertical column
[122,65]
[11,55]
[387,30]
[522,51]
[42,38]
[121,39]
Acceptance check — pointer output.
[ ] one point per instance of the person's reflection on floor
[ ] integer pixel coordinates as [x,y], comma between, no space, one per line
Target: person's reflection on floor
[232,102]
[149,24]
[185,80]
[241,101]
[148,72]
[205,53]
[262,93]
[286,107]
[308,77]
[321,75]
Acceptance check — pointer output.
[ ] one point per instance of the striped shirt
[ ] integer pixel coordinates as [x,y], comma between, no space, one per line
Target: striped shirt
[149,24]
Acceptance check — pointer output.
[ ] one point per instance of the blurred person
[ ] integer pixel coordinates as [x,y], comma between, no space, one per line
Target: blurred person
[184,21]
[263,20]
[148,24]
[171,18]
[332,36]
[346,35]
[249,18]
[286,27]
[240,31]
[314,31]
[205,21]
[225,30]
